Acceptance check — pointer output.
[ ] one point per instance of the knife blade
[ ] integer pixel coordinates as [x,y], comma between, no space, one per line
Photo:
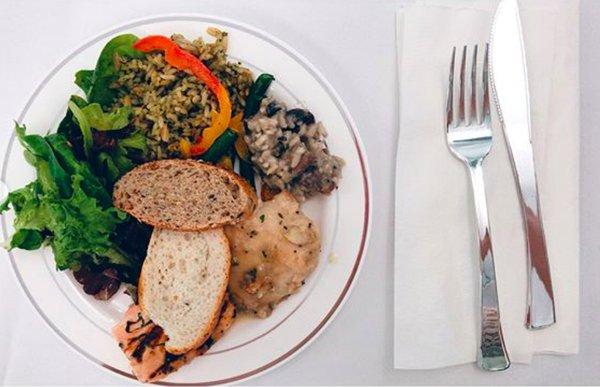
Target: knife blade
[508,76]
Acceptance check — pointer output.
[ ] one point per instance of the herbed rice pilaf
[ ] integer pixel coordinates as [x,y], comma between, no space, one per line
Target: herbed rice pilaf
[170,104]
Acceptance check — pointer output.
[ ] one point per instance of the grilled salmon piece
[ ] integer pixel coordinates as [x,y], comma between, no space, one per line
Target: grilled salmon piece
[144,343]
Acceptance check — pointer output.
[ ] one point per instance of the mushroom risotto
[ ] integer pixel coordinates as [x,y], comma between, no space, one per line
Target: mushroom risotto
[288,148]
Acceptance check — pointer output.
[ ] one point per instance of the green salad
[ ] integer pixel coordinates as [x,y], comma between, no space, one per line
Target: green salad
[69,206]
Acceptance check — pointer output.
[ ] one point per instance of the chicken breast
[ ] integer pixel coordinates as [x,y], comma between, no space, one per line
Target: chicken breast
[273,252]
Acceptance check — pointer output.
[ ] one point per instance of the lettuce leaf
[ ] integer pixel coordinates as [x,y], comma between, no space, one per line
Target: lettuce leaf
[18,198]
[27,239]
[108,167]
[69,129]
[93,117]
[80,227]
[91,184]
[134,141]
[109,155]
[79,222]
[102,121]
[84,126]
[39,154]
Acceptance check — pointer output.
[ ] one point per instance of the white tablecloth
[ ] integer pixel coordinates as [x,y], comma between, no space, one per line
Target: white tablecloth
[353,43]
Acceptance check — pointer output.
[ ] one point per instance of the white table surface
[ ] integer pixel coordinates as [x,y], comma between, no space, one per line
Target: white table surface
[353,43]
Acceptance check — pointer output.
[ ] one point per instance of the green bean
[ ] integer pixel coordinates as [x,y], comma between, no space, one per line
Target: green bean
[220,147]
[257,93]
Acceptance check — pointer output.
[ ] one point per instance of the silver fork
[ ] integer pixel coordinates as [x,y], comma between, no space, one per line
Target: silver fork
[470,139]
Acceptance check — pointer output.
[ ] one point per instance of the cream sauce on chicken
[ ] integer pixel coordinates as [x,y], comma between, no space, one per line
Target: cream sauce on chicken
[273,252]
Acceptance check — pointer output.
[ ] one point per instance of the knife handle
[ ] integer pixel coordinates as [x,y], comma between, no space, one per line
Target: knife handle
[540,299]
[540,295]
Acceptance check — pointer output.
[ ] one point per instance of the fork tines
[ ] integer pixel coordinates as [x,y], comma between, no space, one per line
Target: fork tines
[477,113]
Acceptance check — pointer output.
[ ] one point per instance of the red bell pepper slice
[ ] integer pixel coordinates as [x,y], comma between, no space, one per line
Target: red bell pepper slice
[183,60]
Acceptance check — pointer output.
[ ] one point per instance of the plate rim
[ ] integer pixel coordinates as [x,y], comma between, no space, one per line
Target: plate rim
[362,158]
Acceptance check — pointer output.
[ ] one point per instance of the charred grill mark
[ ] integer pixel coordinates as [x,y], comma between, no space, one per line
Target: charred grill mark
[167,366]
[224,306]
[145,341]
[139,320]
[148,345]
[209,342]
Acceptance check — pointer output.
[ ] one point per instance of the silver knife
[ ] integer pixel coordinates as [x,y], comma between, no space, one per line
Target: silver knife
[508,74]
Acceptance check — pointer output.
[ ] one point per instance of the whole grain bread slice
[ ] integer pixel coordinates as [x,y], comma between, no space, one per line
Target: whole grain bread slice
[183,283]
[184,195]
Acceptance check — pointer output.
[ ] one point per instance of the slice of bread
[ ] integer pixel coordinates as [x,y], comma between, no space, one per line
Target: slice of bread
[182,284]
[184,195]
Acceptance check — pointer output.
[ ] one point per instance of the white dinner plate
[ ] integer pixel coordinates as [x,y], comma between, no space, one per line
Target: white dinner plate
[252,346]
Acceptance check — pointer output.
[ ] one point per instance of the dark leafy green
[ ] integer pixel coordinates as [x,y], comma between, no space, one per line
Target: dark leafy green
[104,138]
[96,84]
[93,117]
[114,163]
[27,239]
[118,160]
[85,79]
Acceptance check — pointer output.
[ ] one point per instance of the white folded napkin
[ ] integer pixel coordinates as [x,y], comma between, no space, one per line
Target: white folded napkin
[436,249]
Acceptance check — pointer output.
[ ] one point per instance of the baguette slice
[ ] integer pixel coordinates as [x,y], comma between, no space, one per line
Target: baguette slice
[184,195]
[182,284]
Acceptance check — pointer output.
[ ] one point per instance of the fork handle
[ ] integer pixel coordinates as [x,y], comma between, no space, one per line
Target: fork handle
[492,354]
